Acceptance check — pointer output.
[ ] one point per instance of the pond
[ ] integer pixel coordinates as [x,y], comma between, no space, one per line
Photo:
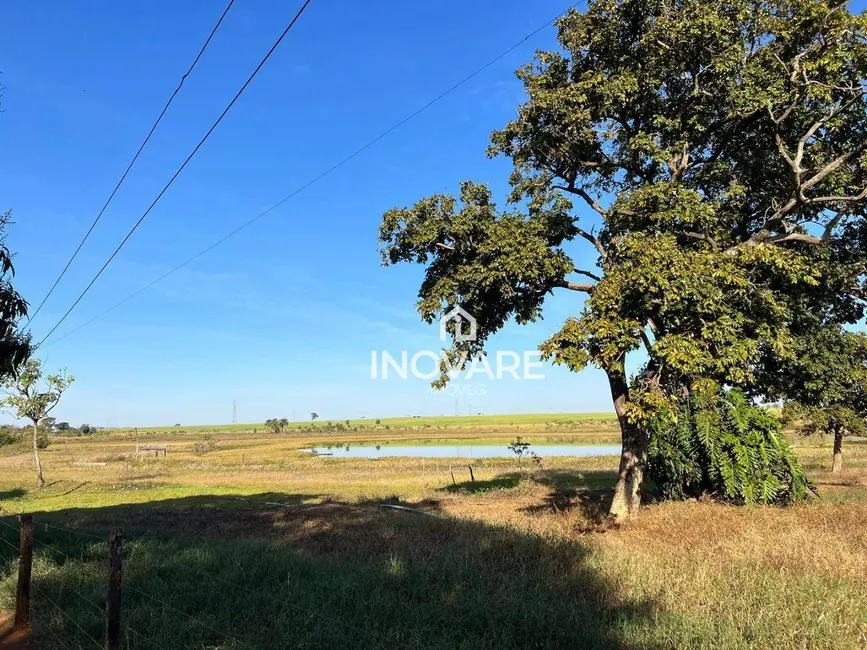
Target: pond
[461,451]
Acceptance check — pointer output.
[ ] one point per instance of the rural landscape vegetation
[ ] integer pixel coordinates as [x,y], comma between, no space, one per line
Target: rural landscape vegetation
[712,159]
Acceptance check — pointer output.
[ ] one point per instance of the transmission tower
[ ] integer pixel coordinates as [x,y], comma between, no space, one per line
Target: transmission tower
[234,411]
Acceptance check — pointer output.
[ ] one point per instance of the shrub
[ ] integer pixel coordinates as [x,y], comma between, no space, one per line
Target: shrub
[204,446]
[722,445]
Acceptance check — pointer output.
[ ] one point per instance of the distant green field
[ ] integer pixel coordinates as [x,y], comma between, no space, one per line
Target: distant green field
[518,419]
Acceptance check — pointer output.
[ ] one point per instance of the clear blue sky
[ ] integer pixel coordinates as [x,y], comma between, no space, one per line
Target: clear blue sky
[282,317]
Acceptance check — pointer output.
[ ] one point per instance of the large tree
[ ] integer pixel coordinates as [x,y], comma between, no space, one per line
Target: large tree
[717,152]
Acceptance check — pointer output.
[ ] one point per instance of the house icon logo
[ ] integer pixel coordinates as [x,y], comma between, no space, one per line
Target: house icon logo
[460,316]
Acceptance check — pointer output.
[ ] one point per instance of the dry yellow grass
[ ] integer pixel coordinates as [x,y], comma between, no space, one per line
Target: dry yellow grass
[706,574]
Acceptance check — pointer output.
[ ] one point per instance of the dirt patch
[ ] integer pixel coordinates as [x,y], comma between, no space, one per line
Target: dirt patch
[14,639]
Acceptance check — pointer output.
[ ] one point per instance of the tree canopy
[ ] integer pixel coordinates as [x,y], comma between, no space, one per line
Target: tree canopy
[14,344]
[825,381]
[712,155]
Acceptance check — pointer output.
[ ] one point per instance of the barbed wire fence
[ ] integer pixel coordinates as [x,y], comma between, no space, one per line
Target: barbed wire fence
[90,610]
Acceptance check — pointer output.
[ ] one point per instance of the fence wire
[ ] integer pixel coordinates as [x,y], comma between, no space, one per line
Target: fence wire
[309,613]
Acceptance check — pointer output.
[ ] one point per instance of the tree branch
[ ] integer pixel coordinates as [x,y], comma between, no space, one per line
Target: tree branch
[593,240]
[593,203]
[575,286]
[794,236]
[590,275]
[702,237]
[834,165]
[580,191]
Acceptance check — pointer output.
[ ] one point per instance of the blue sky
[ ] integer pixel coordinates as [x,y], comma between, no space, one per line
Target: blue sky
[282,317]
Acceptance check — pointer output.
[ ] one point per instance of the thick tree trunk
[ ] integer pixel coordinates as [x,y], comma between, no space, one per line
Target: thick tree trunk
[838,452]
[630,476]
[40,482]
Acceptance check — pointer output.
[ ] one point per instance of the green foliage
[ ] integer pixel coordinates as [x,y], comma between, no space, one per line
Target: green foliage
[722,445]
[832,420]
[86,429]
[522,450]
[15,345]
[827,366]
[698,119]
[277,425]
[716,152]
[33,397]
[826,379]
[7,437]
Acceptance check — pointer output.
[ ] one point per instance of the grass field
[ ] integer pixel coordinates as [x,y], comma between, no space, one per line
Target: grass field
[242,540]
[526,421]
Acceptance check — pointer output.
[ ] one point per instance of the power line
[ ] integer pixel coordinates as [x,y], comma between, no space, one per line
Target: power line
[312,182]
[180,169]
[133,161]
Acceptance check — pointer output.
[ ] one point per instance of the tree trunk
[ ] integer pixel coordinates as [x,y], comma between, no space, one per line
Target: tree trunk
[40,482]
[630,476]
[838,452]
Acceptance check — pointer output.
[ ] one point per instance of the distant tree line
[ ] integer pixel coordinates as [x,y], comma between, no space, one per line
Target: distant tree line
[277,425]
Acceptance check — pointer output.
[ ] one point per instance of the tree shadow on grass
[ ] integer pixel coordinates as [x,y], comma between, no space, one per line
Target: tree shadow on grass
[589,492]
[556,479]
[502,482]
[14,493]
[283,570]
[593,505]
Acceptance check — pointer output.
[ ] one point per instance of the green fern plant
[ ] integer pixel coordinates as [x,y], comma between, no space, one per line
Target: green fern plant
[722,445]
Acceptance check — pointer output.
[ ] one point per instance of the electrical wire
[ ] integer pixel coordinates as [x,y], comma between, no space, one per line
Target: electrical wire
[315,180]
[178,172]
[133,161]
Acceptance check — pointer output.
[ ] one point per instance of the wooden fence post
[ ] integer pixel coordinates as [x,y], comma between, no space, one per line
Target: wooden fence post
[115,579]
[25,566]
[472,476]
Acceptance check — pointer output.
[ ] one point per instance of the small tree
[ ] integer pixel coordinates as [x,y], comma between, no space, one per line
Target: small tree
[825,379]
[33,397]
[273,424]
[62,426]
[283,423]
[314,417]
[522,450]
[86,429]
[836,420]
